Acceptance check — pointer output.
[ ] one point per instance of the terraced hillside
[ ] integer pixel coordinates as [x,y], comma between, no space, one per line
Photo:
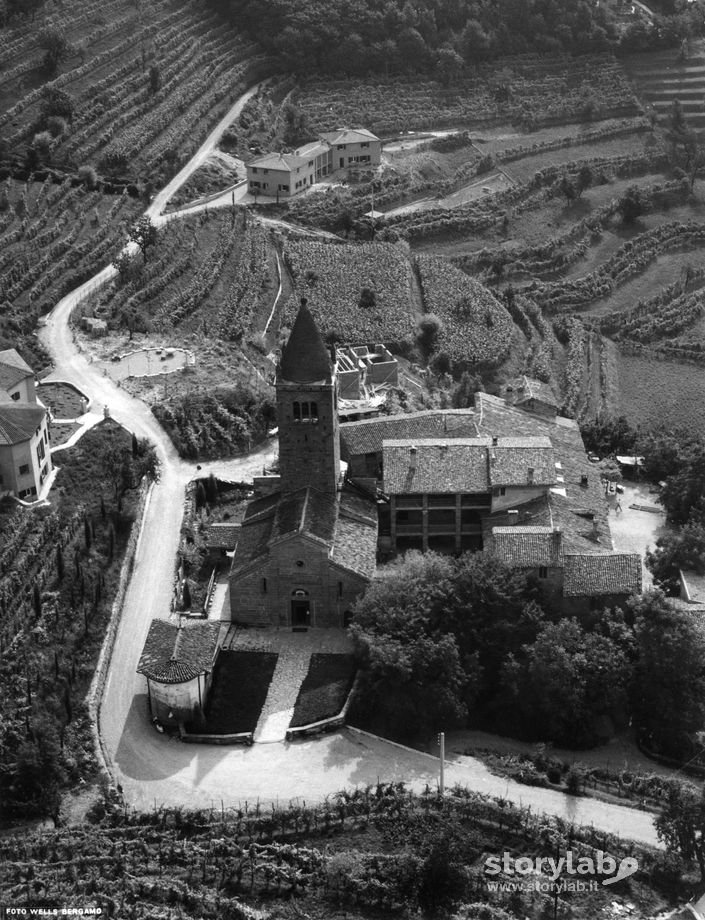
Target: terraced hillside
[662,77]
[132,93]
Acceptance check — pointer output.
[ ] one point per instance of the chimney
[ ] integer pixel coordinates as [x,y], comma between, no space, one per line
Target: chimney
[495,441]
[513,517]
[584,480]
[412,457]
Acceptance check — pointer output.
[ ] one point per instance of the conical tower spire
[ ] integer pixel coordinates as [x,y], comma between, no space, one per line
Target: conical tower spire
[305,358]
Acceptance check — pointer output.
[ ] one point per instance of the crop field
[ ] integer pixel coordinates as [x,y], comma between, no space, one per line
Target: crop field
[137,92]
[208,273]
[661,78]
[529,89]
[52,238]
[332,276]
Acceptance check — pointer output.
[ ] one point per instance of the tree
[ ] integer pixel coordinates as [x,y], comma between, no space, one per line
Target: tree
[428,328]
[686,149]
[56,47]
[88,176]
[561,685]
[368,298]
[631,205]
[42,144]
[584,179]
[449,65]
[56,102]
[684,549]
[144,234]
[124,472]
[668,687]
[681,824]
[567,188]
[155,78]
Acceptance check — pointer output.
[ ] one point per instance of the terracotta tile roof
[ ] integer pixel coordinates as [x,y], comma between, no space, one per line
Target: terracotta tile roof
[19,421]
[349,136]
[13,369]
[524,388]
[429,465]
[222,535]
[366,437]
[314,149]
[577,504]
[355,544]
[305,358]
[600,574]
[173,654]
[528,547]
[347,523]
[280,162]
[522,461]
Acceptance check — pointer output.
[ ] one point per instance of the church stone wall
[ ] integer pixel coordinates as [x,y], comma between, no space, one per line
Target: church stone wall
[330,590]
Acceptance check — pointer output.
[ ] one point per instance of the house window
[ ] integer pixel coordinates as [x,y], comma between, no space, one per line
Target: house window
[364,145]
[254,169]
[283,188]
[16,396]
[305,412]
[24,469]
[40,451]
[297,412]
[264,586]
[543,571]
[341,146]
[340,589]
[266,172]
[314,412]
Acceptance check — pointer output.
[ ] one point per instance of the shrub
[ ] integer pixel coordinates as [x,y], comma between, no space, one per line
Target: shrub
[88,176]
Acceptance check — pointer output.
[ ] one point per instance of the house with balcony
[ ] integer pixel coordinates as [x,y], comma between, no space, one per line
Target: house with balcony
[283,175]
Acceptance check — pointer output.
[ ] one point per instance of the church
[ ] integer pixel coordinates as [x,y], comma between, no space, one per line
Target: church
[308,548]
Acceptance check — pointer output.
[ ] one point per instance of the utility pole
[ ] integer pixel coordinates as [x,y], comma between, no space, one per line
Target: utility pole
[442,745]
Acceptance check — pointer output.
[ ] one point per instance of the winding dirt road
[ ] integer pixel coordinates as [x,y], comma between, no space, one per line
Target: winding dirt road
[154,769]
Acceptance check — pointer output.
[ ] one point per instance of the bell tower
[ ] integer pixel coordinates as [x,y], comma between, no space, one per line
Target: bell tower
[307,411]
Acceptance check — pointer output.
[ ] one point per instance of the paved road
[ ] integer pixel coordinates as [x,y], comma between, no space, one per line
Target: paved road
[154,769]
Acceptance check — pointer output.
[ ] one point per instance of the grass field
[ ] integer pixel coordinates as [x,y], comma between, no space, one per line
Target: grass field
[665,393]
[325,688]
[240,684]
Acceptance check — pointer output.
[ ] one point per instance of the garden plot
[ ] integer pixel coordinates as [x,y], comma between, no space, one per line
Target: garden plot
[333,277]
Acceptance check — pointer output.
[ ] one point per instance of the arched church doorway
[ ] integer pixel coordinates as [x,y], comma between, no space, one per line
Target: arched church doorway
[300,608]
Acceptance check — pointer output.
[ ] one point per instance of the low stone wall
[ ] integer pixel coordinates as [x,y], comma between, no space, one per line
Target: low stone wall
[95,692]
[196,738]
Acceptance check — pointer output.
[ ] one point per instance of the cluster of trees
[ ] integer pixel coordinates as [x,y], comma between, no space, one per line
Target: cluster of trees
[445,641]
[439,35]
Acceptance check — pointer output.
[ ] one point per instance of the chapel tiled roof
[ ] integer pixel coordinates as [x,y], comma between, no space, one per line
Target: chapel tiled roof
[522,461]
[366,437]
[13,369]
[173,654]
[601,574]
[19,421]
[429,465]
[305,358]
[347,523]
[528,547]
[222,535]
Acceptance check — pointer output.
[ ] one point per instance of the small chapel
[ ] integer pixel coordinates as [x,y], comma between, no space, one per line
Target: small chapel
[307,549]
